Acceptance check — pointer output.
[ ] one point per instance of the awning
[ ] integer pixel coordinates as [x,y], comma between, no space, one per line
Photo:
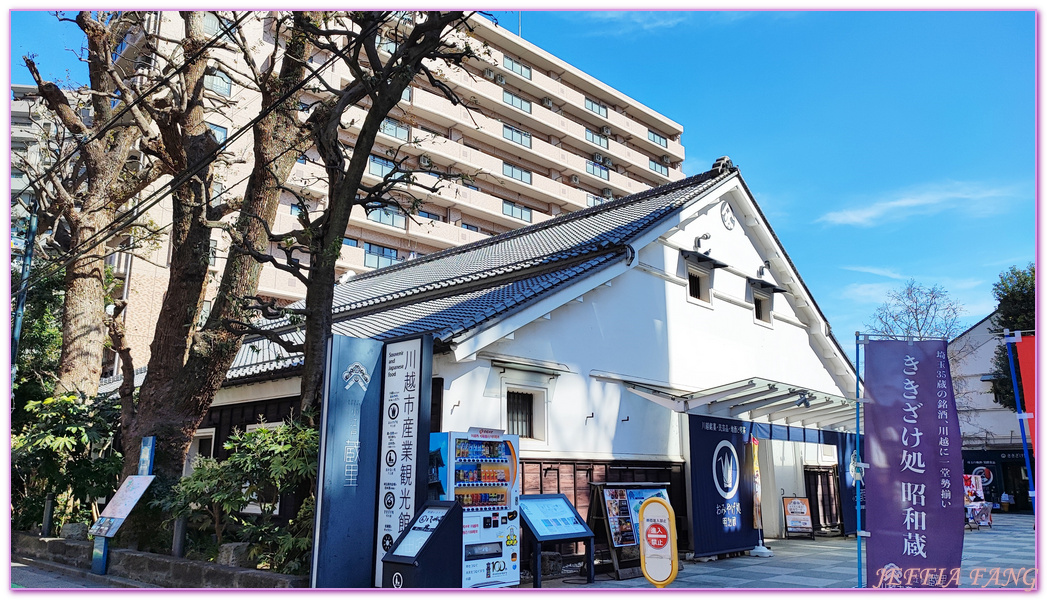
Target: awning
[759,400]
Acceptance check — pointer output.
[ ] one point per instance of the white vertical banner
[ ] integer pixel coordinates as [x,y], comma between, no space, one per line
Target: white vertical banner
[397,454]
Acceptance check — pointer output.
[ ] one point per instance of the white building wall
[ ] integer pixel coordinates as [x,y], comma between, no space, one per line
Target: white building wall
[983,422]
[641,326]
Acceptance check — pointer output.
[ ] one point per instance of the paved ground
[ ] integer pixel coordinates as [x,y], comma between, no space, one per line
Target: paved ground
[831,563]
[820,563]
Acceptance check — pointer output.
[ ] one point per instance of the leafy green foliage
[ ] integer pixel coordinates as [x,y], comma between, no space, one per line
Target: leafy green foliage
[64,449]
[40,343]
[263,464]
[1015,294]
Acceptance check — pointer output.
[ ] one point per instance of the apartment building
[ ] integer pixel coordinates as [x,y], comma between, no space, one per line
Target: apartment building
[534,138]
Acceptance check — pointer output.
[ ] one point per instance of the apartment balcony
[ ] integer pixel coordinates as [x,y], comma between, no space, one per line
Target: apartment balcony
[542,119]
[120,263]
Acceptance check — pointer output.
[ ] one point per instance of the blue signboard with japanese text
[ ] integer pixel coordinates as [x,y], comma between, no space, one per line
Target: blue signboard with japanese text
[343,540]
[721,485]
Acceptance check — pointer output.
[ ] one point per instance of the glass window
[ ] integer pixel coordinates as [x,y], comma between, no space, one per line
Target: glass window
[219,83]
[205,311]
[394,128]
[592,200]
[470,227]
[519,68]
[386,45]
[381,167]
[348,241]
[597,169]
[596,107]
[388,215]
[515,210]
[595,138]
[516,135]
[659,167]
[429,215]
[220,133]
[301,159]
[296,210]
[217,189]
[376,256]
[516,172]
[657,139]
[303,107]
[514,100]
[213,25]
[212,252]
[406,94]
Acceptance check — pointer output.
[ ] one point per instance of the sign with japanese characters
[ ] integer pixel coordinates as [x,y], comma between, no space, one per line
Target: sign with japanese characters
[346,482]
[721,485]
[403,447]
[658,559]
[915,479]
[797,515]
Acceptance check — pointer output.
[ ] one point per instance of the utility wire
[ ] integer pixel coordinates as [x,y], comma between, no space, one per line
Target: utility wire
[128,106]
[136,211]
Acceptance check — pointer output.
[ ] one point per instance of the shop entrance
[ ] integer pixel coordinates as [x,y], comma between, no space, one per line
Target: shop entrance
[822,485]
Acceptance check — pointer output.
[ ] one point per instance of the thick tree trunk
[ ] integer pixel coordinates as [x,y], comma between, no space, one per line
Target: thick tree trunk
[83,312]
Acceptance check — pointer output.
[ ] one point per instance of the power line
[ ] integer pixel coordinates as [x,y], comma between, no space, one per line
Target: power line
[128,106]
[136,211]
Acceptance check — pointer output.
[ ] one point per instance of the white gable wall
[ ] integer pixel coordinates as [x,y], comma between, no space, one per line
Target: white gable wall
[643,327]
[982,420]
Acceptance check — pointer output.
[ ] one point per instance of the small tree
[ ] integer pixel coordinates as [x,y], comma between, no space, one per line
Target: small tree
[66,449]
[1015,294]
[917,311]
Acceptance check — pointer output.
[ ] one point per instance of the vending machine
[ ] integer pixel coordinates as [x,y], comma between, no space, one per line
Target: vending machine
[481,471]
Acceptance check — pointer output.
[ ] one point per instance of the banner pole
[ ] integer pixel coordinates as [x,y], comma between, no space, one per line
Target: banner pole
[1009,340]
[858,451]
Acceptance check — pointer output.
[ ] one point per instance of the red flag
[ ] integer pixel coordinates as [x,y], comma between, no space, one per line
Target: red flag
[1027,363]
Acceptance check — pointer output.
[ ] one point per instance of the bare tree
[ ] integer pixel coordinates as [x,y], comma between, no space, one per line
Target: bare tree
[917,311]
[189,359]
[91,187]
[384,52]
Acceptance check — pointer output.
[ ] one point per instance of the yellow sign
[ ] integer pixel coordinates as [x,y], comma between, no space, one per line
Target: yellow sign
[657,530]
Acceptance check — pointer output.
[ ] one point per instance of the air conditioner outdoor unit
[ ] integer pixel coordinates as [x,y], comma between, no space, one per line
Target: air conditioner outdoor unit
[574,179]
[607,162]
[489,74]
[425,161]
[598,158]
[666,159]
[606,130]
[608,193]
[499,79]
[547,102]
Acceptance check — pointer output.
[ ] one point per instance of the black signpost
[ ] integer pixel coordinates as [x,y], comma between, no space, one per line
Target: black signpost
[552,518]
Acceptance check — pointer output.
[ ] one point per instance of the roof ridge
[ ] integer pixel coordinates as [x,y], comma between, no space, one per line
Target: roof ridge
[553,222]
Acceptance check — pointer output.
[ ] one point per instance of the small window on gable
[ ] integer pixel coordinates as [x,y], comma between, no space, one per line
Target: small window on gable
[762,306]
[698,283]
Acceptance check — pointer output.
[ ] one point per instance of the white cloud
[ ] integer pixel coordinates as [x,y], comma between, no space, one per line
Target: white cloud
[889,273]
[626,21]
[866,293]
[898,206]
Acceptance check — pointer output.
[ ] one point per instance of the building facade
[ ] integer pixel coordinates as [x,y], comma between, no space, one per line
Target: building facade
[609,340]
[540,138]
[992,440]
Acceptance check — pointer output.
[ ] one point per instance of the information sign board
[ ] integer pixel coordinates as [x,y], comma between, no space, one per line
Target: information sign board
[551,517]
[797,515]
[423,527]
[120,506]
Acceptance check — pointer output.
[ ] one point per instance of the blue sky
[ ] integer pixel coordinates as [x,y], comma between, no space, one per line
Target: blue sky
[881,146]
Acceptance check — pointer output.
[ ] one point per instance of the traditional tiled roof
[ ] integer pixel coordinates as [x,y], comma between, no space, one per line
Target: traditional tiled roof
[458,289]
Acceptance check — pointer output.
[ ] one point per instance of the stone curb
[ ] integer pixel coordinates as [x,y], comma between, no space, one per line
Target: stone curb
[70,571]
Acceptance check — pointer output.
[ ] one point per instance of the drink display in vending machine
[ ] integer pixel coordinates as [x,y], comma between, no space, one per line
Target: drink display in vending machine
[481,471]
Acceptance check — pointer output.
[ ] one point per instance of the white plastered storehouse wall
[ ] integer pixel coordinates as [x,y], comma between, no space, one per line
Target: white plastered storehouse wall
[641,325]
[578,346]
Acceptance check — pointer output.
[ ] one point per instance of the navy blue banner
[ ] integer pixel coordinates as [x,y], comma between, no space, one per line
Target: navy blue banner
[721,486]
[344,534]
